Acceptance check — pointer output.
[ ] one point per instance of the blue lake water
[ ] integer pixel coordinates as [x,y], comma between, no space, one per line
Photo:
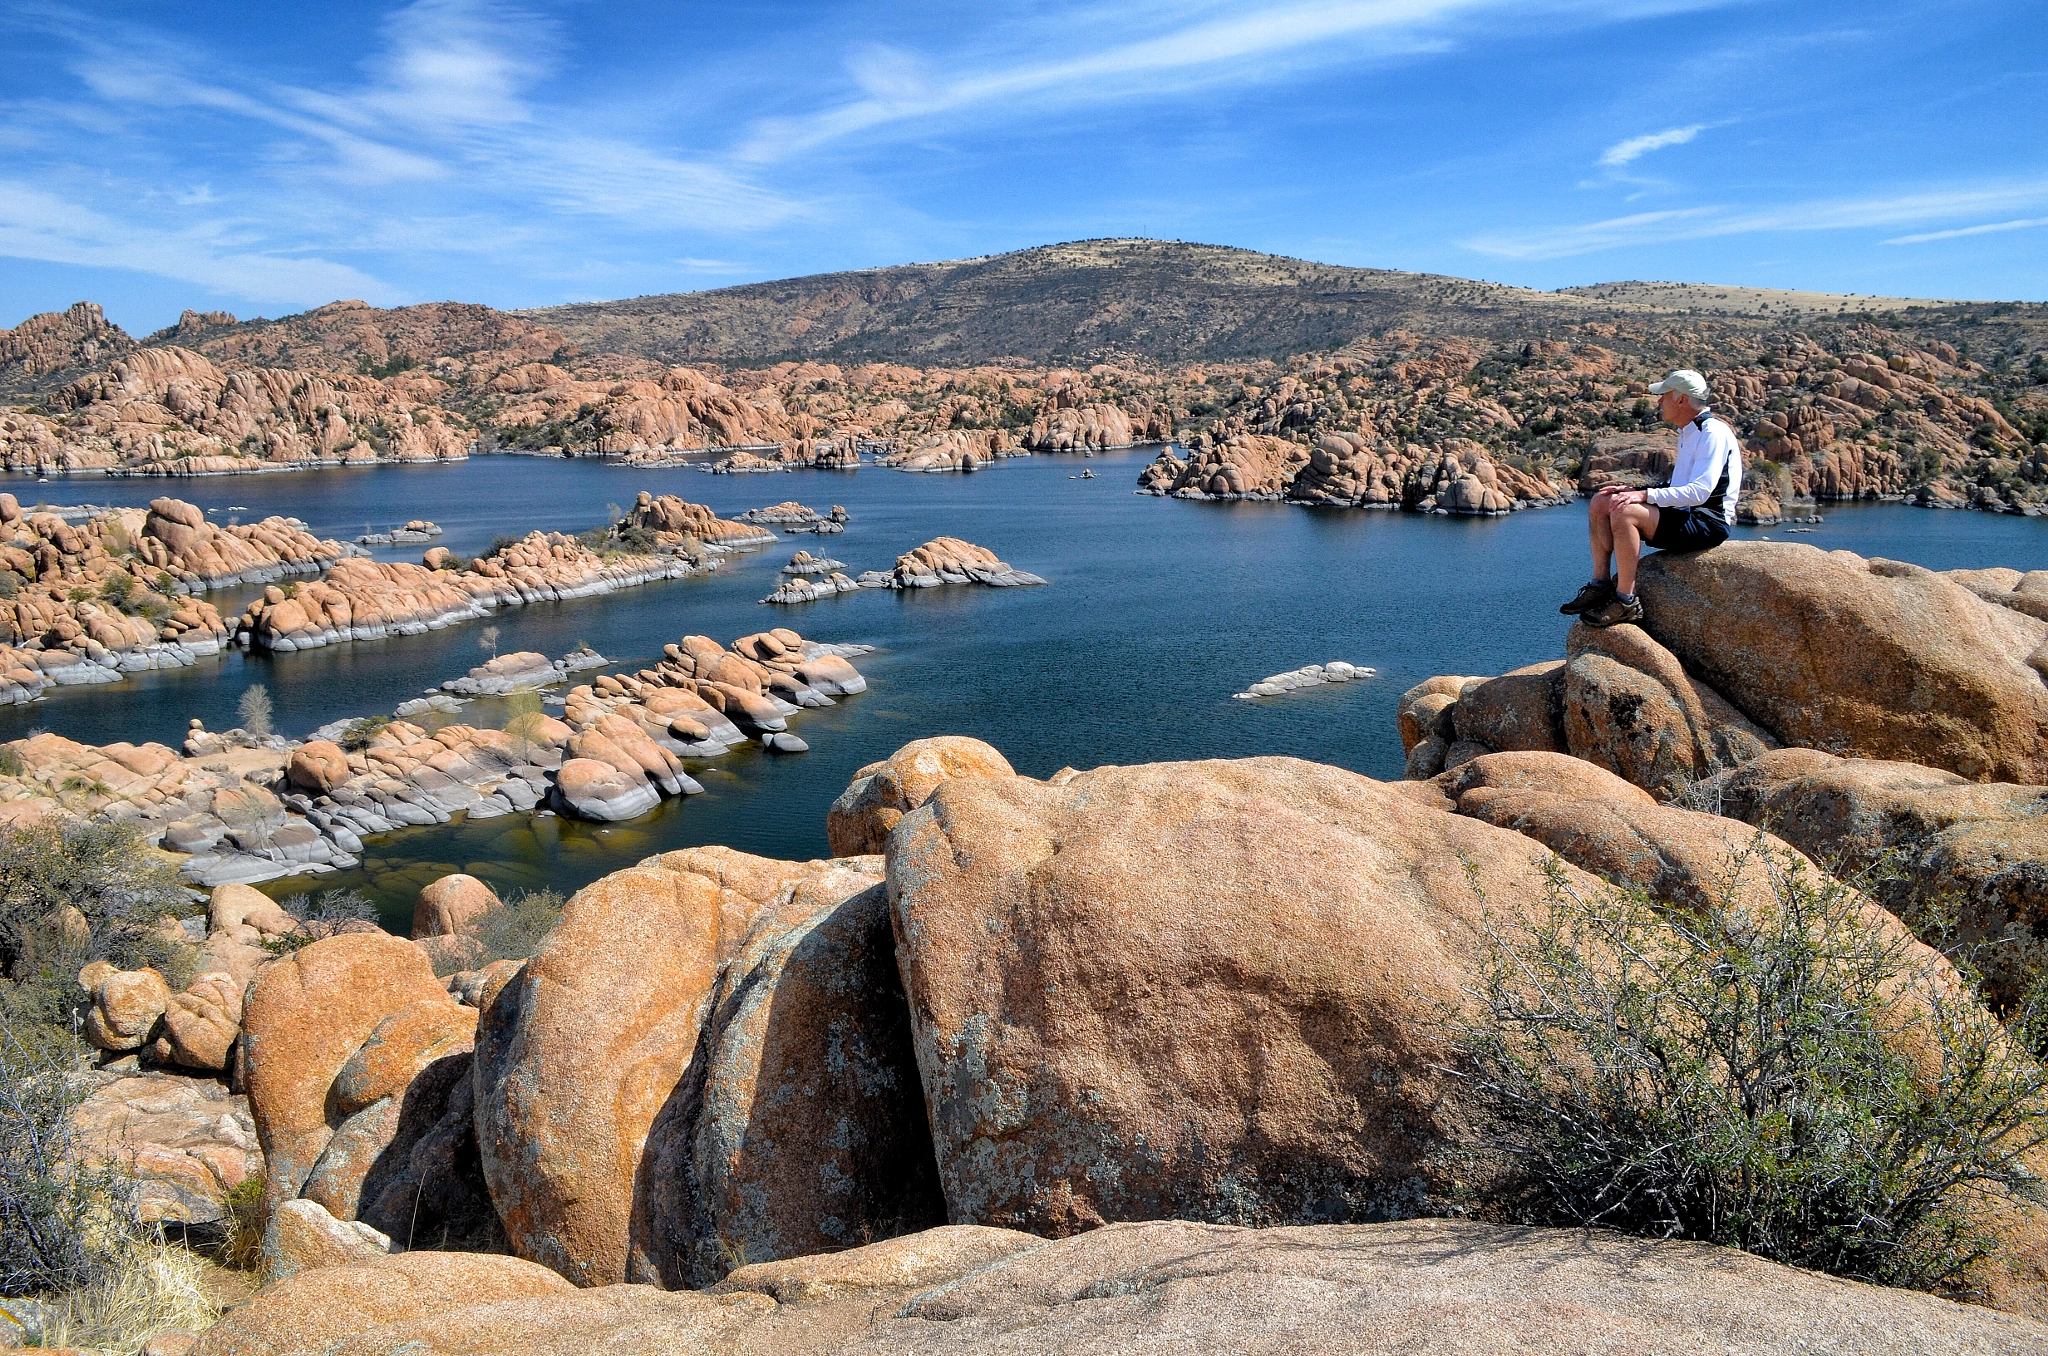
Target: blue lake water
[1156,612]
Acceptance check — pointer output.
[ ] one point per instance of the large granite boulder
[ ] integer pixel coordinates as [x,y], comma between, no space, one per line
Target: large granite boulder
[305,1019]
[639,1082]
[881,793]
[1200,990]
[1630,706]
[1521,710]
[1870,658]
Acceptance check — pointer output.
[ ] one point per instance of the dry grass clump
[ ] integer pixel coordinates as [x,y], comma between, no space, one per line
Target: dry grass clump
[144,1289]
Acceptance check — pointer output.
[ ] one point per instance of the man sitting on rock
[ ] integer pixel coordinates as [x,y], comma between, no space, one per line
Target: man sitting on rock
[1692,513]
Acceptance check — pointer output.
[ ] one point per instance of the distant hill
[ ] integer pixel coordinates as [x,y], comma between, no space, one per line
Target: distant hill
[1151,299]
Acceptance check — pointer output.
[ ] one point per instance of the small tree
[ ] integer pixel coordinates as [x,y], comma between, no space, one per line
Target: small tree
[525,726]
[254,710]
[1787,1078]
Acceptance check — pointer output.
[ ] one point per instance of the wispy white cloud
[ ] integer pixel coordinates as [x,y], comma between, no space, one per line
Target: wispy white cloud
[1189,47]
[1961,231]
[37,224]
[1700,223]
[1622,152]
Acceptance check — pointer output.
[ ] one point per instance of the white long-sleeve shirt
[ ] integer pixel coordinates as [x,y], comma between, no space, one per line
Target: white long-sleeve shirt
[1706,445]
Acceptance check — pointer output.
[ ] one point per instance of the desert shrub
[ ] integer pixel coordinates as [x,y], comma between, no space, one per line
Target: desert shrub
[241,1237]
[10,761]
[513,930]
[324,911]
[165,583]
[117,588]
[72,891]
[10,584]
[499,543]
[52,1209]
[357,734]
[254,710]
[1748,1077]
[636,539]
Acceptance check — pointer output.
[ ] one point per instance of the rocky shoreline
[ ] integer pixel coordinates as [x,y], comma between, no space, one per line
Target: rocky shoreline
[241,809]
[961,1081]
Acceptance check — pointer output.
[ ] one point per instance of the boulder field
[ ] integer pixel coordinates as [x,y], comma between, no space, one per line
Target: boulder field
[88,602]
[1877,715]
[243,810]
[1137,1058]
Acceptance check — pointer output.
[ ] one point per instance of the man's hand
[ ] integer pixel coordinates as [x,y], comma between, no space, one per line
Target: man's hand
[1623,494]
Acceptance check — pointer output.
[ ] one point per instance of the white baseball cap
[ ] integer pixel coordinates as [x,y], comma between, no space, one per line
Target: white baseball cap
[1685,382]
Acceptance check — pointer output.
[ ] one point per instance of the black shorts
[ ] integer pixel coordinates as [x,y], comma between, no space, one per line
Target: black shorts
[1682,530]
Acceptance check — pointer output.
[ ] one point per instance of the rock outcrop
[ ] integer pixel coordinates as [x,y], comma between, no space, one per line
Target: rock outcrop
[354,1056]
[1082,428]
[955,450]
[674,522]
[1451,1287]
[247,814]
[1873,658]
[171,411]
[185,1143]
[947,560]
[808,578]
[1940,844]
[1754,645]
[1351,470]
[1227,905]
[522,671]
[1308,676]
[370,600]
[89,602]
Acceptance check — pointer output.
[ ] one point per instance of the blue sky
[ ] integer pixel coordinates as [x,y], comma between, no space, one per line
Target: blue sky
[264,159]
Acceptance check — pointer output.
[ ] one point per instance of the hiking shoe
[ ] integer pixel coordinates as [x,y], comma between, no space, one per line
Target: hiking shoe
[1614,613]
[1590,597]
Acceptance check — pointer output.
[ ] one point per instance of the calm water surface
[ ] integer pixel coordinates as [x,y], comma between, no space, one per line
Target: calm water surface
[1157,611]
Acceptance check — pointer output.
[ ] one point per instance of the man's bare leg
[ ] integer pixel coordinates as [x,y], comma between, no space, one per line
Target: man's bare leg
[1629,526]
[1601,532]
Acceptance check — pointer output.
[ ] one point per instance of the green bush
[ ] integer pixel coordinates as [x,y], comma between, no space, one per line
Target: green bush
[512,931]
[73,891]
[357,734]
[10,761]
[1748,1077]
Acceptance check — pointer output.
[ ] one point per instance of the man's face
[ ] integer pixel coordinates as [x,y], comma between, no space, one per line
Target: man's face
[1675,408]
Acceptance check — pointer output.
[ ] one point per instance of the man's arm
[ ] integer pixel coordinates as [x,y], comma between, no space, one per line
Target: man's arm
[1694,491]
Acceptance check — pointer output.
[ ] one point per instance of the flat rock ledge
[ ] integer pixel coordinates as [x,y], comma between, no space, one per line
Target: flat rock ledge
[1451,1288]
